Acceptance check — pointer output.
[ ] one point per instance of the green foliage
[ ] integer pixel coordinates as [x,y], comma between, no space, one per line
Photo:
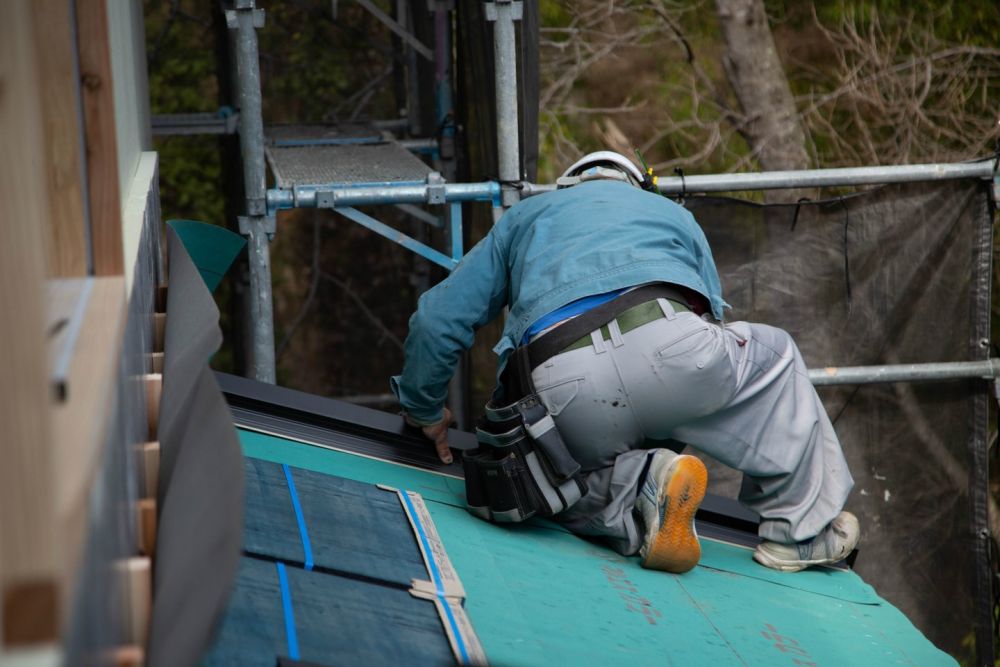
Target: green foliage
[190,172]
[181,68]
[972,22]
[553,14]
[311,65]
[180,57]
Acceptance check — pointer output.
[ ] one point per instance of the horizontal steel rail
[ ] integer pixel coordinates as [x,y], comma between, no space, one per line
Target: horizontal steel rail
[195,123]
[340,194]
[808,178]
[418,145]
[940,372]
[305,196]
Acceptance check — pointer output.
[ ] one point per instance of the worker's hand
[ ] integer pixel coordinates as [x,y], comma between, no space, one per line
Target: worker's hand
[438,434]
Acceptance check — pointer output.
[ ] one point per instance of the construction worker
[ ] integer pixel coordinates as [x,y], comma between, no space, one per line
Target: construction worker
[664,369]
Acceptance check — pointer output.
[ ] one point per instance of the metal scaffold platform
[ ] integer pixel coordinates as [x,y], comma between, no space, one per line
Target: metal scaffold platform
[313,164]
[315,154]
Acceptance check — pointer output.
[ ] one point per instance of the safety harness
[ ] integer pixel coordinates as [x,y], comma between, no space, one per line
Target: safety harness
[522,466]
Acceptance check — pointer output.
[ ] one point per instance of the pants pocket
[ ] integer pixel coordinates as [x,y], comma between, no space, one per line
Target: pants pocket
[686,335]
[695,373]
[560,394]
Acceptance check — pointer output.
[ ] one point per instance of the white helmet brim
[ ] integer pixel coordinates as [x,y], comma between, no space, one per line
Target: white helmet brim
[606,159]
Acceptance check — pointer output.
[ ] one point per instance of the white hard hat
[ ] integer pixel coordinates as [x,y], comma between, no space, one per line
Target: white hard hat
[605,159]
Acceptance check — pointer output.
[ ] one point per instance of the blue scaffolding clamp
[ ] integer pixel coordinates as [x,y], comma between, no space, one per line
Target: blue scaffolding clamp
[435,188]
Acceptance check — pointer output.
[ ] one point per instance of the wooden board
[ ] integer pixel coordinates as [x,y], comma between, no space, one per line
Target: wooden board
[80,423]
[136,587]
[30,553]
[148,454]
[59,87]
[99,127]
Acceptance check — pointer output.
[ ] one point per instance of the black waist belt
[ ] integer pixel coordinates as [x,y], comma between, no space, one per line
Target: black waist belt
[525,358]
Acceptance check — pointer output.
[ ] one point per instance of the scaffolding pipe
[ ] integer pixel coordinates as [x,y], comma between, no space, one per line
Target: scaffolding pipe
[328,196]
[808,178]
[419,145]
[503,13]
[257,226]
[988,369]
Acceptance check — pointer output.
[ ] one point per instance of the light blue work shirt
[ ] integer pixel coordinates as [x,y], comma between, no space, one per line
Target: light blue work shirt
[544,253]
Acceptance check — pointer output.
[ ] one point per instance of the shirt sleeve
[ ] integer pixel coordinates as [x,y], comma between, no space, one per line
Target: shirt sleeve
[444,326]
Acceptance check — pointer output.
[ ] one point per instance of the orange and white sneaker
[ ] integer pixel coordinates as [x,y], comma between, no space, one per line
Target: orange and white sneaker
[668,501]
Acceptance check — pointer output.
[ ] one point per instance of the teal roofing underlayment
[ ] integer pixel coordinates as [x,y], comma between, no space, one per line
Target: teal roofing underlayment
[212,248]
[537,595]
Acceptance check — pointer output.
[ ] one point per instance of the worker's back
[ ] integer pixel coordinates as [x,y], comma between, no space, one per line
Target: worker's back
[593,238]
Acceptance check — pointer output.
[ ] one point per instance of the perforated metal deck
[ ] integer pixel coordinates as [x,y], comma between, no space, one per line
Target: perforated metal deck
[316,155]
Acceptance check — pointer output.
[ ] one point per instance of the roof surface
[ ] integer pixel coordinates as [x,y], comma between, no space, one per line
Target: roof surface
[534,593]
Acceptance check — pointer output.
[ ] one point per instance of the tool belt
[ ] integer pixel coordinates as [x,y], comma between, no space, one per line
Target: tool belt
[522,466]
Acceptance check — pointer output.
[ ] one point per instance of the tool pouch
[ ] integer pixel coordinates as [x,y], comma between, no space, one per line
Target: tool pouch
[521,467]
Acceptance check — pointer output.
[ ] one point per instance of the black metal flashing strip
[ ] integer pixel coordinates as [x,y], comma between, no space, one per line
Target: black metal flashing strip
[328,422]
[258,406]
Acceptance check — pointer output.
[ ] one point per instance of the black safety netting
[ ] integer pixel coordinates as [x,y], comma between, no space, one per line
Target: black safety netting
[896,275]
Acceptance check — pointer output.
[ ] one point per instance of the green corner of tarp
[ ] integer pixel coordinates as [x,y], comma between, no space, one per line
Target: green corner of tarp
[212,248]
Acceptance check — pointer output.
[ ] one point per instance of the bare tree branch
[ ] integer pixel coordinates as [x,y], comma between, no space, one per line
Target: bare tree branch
[311,294]
[883,95]
[345,287]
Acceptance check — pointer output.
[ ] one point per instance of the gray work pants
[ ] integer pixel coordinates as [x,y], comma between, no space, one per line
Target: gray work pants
[739,393]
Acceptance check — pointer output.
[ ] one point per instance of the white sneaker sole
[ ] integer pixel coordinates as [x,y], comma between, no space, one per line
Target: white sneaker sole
[782,565]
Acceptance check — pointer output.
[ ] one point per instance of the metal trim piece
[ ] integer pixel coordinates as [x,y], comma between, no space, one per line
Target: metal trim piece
[331,423]
[373,434]
[59,375]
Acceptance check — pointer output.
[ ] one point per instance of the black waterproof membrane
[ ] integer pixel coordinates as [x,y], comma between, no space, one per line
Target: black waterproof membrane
[201,476]
[900,274]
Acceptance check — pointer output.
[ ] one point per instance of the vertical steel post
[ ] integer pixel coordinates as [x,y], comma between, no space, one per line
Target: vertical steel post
[503,13]
[403,18]
[445,163]
[442,80]
[256,225]
[996,180]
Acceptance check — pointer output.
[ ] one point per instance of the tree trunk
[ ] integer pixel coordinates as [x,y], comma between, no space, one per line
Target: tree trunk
[771,125]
